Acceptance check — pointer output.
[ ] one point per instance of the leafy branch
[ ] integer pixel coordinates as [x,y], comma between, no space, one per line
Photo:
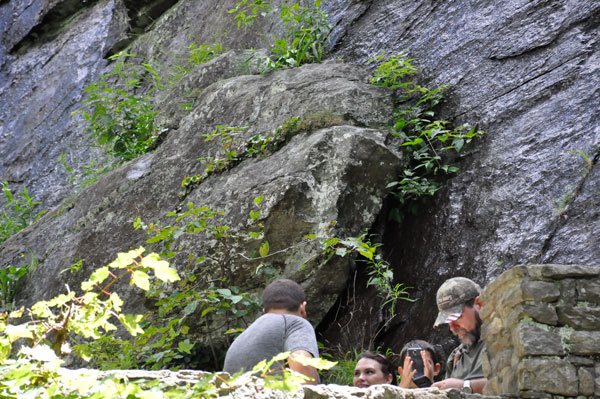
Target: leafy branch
[428,144]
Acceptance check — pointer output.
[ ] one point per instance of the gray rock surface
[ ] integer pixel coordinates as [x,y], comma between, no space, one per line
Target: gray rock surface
[42,83]
[527,72]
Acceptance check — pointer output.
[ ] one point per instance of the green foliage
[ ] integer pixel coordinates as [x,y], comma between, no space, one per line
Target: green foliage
[219,302]
[9,278]
[36,373]
[88,174]
[199,54]
[343,372]
[247,11]
[428,144]
[90,315]
[391,73]
[380,274]
[119,119]
[233,150]
[121,104]
[305,38]
[305,31]
[16,211]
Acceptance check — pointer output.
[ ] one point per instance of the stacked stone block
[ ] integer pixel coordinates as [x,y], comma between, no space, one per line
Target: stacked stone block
[541,326]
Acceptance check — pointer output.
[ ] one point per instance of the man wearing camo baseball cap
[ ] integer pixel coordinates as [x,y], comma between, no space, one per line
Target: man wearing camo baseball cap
[458,305]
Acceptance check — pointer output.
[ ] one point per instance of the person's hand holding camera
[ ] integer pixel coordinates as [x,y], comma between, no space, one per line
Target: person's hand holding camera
[407,373]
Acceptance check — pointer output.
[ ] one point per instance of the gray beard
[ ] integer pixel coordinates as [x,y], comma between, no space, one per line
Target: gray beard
[473,336]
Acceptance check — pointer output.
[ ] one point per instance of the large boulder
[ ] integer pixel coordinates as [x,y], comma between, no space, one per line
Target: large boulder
[330,178]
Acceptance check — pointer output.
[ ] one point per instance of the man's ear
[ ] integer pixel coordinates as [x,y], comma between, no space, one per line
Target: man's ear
[302,309]
[478,302]
[436,369]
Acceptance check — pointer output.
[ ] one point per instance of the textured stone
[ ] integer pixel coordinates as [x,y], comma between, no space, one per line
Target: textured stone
[586,381]
[584,342]
[316,178]
[568,292]
[539,291]
[559,272]
[495,289]
[491,328]
[534,395]
[580,360]
[527,72]
[492,386]
[541,312]
[497,341]
[526,290]
[548,375]
[588,291]
[376,392]
[501,361]
[597,379]
[508,380]
[580,317]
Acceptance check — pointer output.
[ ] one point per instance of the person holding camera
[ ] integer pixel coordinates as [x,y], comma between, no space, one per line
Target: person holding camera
[459,305]
[420,364]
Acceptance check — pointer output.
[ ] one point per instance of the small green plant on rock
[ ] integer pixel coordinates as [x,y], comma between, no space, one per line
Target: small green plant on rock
[17,211]
[121,120]
[306,31]
[233,150]
[380,274]
[199,54]
[429,144]
[9,278]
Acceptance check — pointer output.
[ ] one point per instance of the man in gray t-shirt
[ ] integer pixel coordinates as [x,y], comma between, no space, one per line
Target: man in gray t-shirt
[283,328]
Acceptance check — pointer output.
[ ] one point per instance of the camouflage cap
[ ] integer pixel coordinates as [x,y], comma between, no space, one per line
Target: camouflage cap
[452,296]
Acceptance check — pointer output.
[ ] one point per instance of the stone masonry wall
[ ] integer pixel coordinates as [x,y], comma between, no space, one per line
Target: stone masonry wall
[541,325]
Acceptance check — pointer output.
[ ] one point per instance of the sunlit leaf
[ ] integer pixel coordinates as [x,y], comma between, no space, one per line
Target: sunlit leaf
[264,249]
[132,323]
[141,279]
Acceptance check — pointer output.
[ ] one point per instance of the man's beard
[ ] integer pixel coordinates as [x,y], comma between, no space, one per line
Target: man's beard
[471,337]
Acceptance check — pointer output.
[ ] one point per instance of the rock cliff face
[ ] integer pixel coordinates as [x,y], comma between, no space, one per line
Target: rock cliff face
[527,72]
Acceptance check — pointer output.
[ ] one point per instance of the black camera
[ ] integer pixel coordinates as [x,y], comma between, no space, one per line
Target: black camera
[419,378]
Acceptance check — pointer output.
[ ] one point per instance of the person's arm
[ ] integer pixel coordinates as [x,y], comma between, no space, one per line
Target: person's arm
[477,384]
[308,371]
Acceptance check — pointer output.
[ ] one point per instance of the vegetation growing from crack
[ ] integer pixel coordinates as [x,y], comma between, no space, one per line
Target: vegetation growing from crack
[17,211]
[561,205]
[233,149]
[120,106]
[120,119]
[306,31]
[429,144]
